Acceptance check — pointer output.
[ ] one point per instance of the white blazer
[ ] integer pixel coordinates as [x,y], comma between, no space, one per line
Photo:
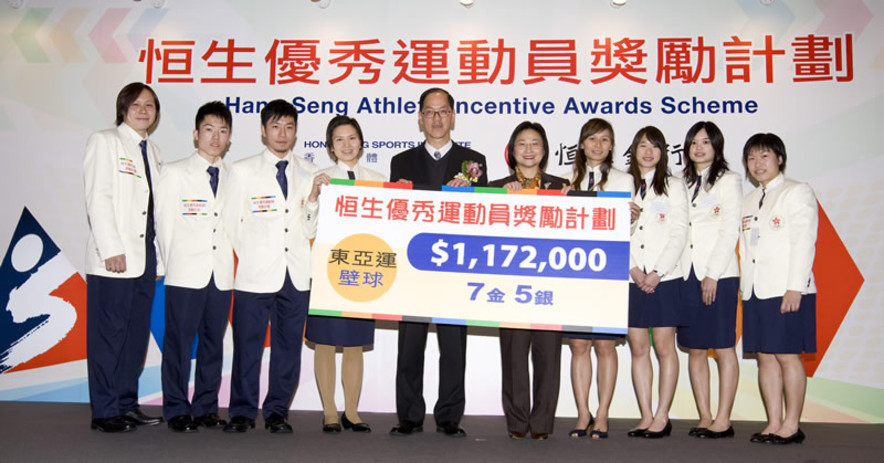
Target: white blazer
[270,234]
[713,227]
[339,170]
[190,233]
[617,181]
[778,241]
[117,196]
[660,233]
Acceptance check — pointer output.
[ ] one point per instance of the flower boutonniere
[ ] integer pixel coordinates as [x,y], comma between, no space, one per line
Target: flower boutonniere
[470,171]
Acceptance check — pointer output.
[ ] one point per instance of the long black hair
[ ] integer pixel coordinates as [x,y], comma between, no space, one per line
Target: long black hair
[656,138]
[590,128]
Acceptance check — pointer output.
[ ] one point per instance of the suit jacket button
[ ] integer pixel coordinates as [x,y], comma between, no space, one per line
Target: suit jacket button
[692,246]
[286,249]
[641,227]
[286,230]
[286,210]
[214,247]
[141,235]
[143,212]
[753,261]
[642,246]
[216,214]
[693,205]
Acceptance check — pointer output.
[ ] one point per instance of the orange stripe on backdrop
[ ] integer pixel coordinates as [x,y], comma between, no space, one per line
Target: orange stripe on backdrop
[838,281]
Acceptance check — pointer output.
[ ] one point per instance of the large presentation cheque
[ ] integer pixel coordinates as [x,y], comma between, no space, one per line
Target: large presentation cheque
[537,259]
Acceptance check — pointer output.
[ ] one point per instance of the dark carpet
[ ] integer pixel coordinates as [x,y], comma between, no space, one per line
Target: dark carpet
[51,432]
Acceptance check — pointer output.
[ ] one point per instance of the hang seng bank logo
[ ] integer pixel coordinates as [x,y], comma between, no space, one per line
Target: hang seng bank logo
[44,299]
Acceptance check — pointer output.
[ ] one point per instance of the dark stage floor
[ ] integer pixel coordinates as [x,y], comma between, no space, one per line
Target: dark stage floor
[60,432]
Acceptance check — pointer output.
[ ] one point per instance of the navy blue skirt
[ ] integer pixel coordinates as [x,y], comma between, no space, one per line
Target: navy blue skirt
[658,309]
[768,331]
[339,331]
[709,326]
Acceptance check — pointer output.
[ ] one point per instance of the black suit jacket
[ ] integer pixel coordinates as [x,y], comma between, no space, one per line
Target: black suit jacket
[409,165]
[547,182]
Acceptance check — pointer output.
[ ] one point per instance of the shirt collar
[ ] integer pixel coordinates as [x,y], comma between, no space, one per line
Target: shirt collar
[443,149]
[776,182]
[131,133]
[273,159]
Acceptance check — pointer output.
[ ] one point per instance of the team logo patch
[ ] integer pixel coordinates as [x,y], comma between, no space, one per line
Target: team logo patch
[127,166]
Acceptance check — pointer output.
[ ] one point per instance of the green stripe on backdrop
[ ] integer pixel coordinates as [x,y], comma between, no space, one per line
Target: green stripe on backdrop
[863,402]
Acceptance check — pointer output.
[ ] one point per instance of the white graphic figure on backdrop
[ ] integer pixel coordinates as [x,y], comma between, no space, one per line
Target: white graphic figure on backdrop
[32,299]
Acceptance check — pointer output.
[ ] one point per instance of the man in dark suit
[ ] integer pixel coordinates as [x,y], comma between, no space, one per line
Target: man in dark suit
[434,163]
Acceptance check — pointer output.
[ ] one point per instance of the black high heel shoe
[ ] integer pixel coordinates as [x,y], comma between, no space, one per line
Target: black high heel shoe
[356,427]
[577,433]
[667,430]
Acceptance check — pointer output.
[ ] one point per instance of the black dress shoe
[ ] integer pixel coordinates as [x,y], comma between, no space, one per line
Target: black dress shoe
[112,424]
[759,438]
[667,430]
[696,430]
[637,432]
[406,428]
[796,438]
[137,417]
[239,424]
[182,423]
[516,435]
[276,424]
[211,421]
[356,427]
[450,429]
[539,435]
[710,434]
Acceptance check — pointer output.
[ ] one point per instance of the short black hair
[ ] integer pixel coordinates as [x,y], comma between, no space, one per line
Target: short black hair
[762,141]
[217,109]
[278,109]
[334,123]
[128,95]
[511,146]
[429,91]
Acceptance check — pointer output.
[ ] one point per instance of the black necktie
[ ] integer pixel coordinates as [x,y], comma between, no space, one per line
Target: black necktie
[761,201]
[150,225]
[591,181]
[213,179]
[696,189]
[437,155]
[351,175]
[643,189]
[280,177]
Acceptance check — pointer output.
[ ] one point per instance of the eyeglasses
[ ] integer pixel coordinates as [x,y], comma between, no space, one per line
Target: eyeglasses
[431,113]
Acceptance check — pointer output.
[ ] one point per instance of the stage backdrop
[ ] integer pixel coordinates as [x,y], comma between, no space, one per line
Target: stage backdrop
[809,71]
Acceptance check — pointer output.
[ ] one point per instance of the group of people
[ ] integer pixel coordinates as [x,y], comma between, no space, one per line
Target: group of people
[188,218]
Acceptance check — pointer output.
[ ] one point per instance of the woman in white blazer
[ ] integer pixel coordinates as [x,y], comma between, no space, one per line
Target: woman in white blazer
[344,143]
[711,275]
[594,171]
[120,169]
[656,246]
[777,246]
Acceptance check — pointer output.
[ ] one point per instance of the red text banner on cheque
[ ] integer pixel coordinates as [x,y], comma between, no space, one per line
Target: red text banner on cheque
[479,256]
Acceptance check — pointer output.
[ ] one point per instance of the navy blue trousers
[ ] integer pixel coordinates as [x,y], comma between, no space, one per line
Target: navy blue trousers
[191,312]
[117,336]
[286,311]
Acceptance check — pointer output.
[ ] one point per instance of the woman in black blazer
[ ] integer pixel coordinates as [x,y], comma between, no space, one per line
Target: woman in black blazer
[527,154]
